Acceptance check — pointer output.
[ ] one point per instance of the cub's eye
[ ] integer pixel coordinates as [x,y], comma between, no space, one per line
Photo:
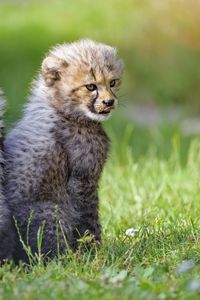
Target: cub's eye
[91,87]
[112,83]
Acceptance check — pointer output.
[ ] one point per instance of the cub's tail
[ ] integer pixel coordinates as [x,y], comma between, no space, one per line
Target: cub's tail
[6,228]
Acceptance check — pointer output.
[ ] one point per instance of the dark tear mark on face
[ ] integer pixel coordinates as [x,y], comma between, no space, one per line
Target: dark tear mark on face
[94,100]
[113,93]
[91,105]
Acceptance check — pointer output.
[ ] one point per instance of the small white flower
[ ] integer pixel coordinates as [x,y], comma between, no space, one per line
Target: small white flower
[185,266]
[194,285]
[132,231]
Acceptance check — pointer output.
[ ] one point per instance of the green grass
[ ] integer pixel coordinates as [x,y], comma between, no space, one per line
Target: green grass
[159,195]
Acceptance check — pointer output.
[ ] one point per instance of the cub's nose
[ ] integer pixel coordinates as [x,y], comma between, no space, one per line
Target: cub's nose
[109,103]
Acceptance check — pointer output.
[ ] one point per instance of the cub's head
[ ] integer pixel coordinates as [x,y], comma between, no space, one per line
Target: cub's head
[83,78]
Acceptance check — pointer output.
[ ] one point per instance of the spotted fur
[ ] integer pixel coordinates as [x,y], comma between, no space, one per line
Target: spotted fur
[56,153]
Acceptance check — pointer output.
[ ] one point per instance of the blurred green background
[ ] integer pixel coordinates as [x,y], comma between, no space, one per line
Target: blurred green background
[158,40]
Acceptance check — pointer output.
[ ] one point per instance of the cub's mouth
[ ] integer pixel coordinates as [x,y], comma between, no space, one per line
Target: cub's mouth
[106,111]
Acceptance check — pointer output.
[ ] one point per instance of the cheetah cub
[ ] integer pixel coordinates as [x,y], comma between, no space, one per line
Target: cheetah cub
[55,155]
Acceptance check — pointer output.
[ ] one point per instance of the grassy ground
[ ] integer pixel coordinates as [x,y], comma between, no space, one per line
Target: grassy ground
[155,193]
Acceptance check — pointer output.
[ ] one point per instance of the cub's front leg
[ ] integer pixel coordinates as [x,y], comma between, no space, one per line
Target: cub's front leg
[84,198]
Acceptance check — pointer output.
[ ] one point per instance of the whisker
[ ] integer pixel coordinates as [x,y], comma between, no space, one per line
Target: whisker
[124,95]
[122,101]
[120,104]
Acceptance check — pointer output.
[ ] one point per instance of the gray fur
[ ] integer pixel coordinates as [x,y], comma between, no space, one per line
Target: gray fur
[54,159]
[6,228]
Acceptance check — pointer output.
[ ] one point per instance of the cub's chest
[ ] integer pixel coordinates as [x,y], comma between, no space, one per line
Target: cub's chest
[87,152]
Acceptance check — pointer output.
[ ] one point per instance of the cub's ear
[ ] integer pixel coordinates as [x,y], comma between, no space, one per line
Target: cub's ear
[51,69]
